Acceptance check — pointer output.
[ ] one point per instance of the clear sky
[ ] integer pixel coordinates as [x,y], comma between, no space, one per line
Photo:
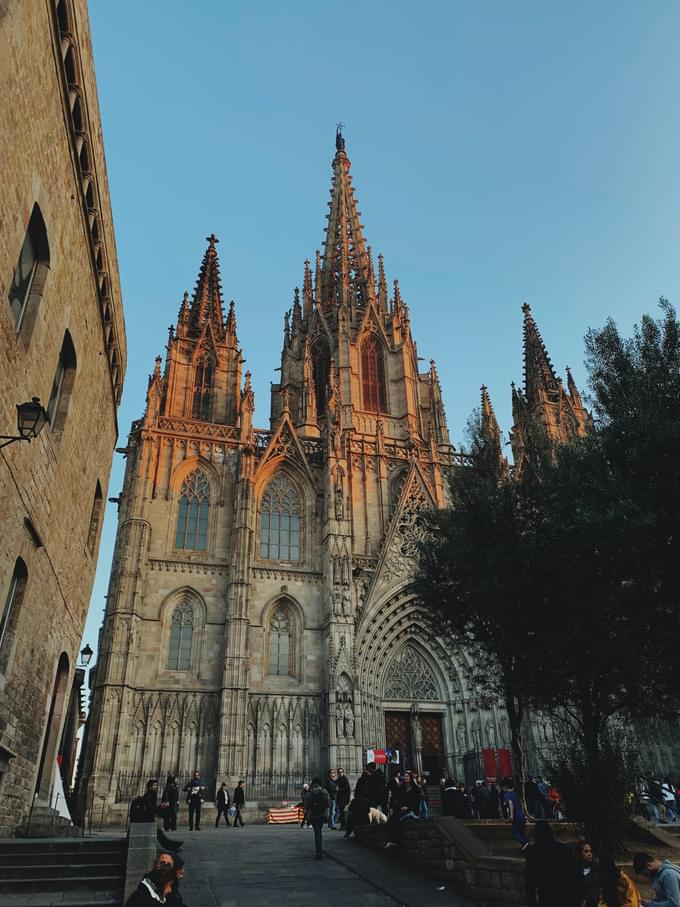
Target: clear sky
[502,152]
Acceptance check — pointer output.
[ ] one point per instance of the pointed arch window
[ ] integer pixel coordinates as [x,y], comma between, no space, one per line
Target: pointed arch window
[10,611]
[30,272]
[203,389]
[181,637]
[373,375]
[194,508]
[280,642]
[280,521]
[321,359]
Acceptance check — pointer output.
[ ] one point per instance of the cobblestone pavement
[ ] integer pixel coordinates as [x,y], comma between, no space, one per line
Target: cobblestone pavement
[260,865]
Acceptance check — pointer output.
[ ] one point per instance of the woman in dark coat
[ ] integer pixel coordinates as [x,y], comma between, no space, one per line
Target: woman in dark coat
[590,871]
[171,800]
[552,874]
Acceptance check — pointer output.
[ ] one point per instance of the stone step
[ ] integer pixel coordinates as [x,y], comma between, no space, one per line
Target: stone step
[66,883]
[62,849]
[53,871]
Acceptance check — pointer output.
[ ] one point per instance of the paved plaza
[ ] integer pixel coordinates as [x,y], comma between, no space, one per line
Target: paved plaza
[262,865]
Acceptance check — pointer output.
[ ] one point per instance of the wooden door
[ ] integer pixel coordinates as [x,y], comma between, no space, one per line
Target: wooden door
[398,736]
[433,744]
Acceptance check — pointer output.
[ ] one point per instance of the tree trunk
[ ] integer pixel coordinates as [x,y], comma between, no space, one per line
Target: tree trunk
[599,814]
[515,709]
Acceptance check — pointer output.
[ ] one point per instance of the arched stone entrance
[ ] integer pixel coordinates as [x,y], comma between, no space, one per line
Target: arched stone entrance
[53,729]
[414,712]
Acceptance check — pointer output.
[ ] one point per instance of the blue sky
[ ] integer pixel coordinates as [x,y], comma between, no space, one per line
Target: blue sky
[501,153]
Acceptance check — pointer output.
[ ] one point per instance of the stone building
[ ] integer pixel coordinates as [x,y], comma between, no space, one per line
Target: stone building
[62,339]
[260,621]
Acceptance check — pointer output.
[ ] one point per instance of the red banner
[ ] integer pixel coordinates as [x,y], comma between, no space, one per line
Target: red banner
[497,764]
[505,763]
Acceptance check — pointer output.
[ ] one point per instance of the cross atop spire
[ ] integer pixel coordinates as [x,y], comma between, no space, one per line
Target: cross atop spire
[539,375]
[339,138]
[207,301]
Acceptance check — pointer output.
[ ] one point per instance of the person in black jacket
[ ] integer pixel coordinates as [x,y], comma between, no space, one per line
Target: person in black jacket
[170,803]
[146,809]
[194,790]
[239,801]
[332,790]
[552,874]
[343,796]
[153,889]
[375,787]
[222,801]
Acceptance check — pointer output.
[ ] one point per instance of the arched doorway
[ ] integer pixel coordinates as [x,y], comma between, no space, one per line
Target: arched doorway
[414,713]
[53,729]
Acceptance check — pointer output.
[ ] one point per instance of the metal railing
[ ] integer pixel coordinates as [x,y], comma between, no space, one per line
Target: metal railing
[133,784]
[274,785]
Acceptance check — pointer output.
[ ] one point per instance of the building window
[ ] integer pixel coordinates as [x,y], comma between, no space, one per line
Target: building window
[95,519]
[373,375]
[321,358]
[10,612]
[203,390]
[194,505]
[30,272]
[181,637]
[280,642]
[62,386]
[280,522]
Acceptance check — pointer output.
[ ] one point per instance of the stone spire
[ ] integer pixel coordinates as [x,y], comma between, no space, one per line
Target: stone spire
[344,273]
[539,376]
[207,303]
[490,428]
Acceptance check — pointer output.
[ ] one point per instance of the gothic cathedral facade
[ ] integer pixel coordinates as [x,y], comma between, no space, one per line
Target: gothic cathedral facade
[259,617]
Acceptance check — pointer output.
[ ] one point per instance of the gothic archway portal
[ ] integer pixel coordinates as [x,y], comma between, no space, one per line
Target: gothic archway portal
[414,713]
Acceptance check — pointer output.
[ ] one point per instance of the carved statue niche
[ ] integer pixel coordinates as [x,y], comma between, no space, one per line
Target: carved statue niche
[340,711]
[416,730]
[349,721]
[346,601]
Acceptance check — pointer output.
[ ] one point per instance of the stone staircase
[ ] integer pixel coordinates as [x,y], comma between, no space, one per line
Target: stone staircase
[46,822]
[71,872]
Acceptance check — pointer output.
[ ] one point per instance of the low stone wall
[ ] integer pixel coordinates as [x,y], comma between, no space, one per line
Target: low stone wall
[444,849]
[142,849]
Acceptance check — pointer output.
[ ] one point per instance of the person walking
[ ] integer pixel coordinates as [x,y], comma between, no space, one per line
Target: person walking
[332,789]
[318,809]
[516,816]
[343,796]
[239,802]
[146,809]
[170,800]
[222,802]
[194,790]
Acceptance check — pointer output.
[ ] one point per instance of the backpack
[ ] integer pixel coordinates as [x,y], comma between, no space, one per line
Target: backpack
[316,804]
[138,811]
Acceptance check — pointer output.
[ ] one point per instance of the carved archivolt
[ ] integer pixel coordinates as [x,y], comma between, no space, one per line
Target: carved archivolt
[410,678]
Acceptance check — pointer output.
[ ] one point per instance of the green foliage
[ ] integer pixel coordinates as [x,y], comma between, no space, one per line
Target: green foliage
[607,803]
[565,573]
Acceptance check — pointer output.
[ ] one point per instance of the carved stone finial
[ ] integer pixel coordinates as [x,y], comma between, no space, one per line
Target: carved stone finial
[339,138]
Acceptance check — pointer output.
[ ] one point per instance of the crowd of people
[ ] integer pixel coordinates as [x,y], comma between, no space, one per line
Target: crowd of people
[564,876]
[657,799]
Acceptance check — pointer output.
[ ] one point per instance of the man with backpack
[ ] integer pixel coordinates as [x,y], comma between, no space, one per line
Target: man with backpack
[318,804]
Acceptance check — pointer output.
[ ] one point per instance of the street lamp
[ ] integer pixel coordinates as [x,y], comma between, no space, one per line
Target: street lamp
[31,419]
[86,655]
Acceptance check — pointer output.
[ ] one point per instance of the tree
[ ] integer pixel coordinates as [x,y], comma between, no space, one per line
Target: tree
[476,575]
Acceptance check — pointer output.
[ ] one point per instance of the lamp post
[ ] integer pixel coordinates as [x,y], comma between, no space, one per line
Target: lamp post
[31,419]
[86,654]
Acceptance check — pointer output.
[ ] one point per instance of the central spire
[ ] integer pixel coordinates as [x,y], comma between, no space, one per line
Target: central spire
[345,272]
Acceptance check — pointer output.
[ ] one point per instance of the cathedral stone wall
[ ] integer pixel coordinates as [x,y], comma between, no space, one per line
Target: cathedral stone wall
[51,491]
